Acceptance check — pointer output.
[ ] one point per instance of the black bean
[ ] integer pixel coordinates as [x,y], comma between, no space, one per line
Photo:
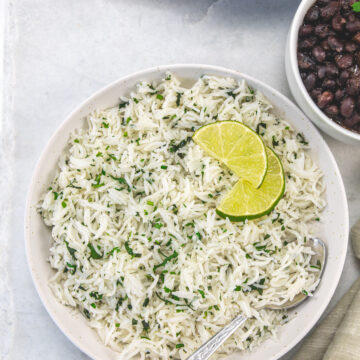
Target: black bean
[335,43]
[305,62]
[324,44]
[344,76]
[331,110]
[329,59]
[315,94]
[329,84]
[312,14]
[353,26]
[310,81]
[325,99]
[345,5]
[353,86]
[356,38]
[321,71]
[338,22]
[307,43]
[352,121]
[344,61]
[339,94]
[305,30]
[319,53]
[329,10]
[332,71]
[351,16]
[350,46]
[347,107]
[322,30]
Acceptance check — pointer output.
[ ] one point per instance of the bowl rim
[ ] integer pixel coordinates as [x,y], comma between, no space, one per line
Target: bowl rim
[293,40]
[131,77]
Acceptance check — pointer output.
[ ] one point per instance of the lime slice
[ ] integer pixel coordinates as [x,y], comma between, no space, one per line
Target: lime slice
[236,146]
[243,201]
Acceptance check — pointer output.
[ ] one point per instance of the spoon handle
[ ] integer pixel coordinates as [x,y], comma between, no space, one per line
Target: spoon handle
[208,348]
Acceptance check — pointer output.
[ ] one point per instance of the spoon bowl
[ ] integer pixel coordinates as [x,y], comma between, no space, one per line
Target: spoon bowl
[318,260]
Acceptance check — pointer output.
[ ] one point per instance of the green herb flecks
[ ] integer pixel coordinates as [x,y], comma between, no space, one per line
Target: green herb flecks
[130,251]
[120,302]
[263,125]
[93,253]
[145,325]
[301,139]
[97,183]
[174,255]
[71,267]
[256,287]
[175,147]
[123,104]
[113,250]
[178,97]
[96,295]
[70,250]
[87,313]
[274,141]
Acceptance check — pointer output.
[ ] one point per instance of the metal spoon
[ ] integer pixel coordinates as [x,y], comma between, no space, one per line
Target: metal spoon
[208,348]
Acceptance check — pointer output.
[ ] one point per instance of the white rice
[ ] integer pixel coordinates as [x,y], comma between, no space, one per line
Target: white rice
[126,187]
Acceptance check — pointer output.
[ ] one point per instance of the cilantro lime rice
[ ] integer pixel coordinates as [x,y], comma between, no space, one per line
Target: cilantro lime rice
[137,245]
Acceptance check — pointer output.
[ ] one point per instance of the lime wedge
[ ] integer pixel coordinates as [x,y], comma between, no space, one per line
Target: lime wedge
[236,146]
[243,201]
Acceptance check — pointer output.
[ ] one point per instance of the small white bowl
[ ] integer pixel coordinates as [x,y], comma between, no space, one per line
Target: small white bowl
[333,227]
[298,89]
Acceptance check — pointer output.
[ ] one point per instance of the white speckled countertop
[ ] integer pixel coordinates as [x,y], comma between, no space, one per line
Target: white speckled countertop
[58,52]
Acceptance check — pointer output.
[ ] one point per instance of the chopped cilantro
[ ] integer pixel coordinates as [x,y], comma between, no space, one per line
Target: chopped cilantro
[93,253]
[178,97]
[123,104]
[145,325]
[130,251]
[166,260]
[73,267]
[70,250]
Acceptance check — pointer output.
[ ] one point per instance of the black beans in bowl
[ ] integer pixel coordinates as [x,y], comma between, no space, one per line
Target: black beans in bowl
[329,59]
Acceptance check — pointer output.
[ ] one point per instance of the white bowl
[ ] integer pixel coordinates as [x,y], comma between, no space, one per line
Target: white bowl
[333,228]
[297,86]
